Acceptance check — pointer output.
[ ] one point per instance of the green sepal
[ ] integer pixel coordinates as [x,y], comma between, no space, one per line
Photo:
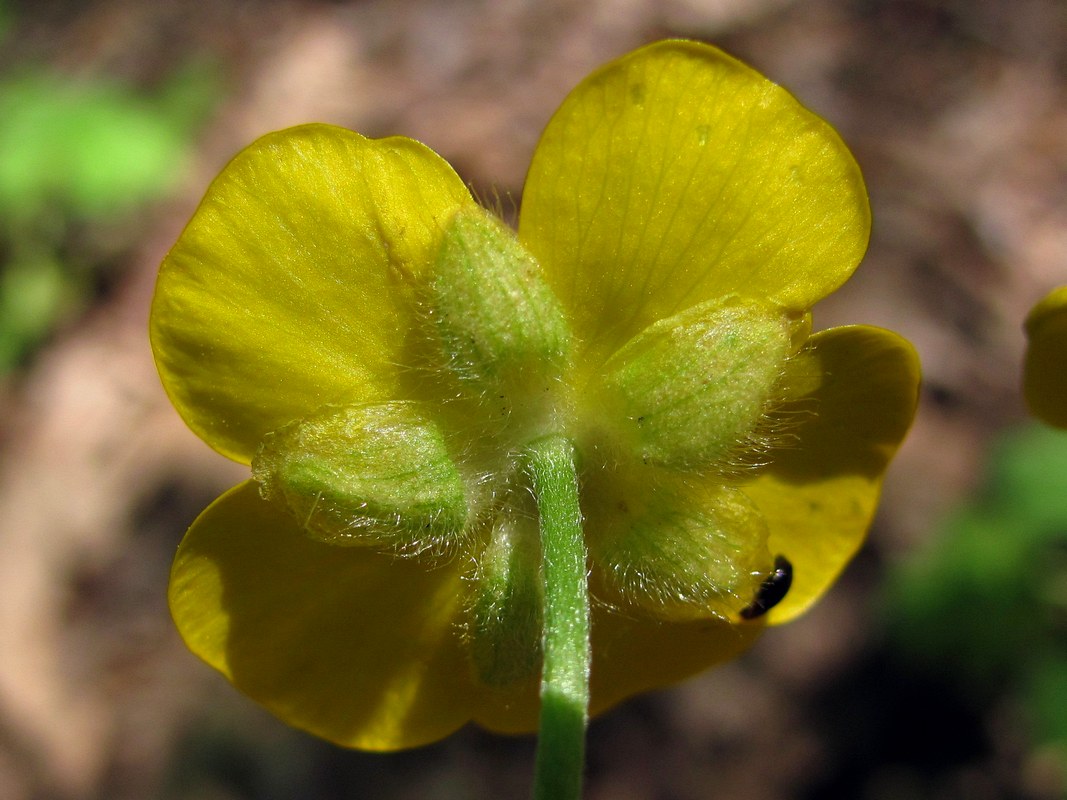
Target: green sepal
[690,391]
[499,322]
[684,555]
[377,474]
[505,619]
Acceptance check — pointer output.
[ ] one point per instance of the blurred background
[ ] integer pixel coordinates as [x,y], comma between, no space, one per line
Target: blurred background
[937,668]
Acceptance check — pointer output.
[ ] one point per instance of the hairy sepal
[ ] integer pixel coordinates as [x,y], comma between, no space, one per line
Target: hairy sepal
[692,392]
[378,474]
[504,623]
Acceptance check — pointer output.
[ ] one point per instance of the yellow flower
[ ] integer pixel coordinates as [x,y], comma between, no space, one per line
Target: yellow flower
[341,315]
[1045,369]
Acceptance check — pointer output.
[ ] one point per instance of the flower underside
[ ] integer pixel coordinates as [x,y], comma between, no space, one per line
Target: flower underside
[341,315]
[690,395]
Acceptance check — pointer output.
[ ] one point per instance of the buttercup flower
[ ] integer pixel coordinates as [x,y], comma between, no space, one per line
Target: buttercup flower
[1045,368]
[343,317]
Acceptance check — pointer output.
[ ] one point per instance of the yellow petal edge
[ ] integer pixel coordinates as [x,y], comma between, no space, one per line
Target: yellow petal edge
[676,174]
[1045,367]
[342,222]
[346,643]
[820,493]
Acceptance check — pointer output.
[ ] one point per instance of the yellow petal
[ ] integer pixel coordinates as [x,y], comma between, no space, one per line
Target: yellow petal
[352,645]
[819,494]
[291,286]
[677,174]
[633,654]
[1045,369]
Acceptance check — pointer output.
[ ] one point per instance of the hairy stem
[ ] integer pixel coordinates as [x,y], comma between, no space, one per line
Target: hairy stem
[565,672]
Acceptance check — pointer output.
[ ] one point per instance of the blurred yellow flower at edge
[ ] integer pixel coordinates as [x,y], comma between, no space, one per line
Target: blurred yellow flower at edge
[337,299]
[1045,369]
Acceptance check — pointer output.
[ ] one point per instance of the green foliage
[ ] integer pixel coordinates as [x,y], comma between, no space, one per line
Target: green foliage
[77,154]
[987,603]
[89,147]
[32,291]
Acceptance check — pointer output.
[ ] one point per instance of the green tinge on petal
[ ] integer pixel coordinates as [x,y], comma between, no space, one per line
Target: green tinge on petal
[346,643]
[819,494]
[1045,368]
[291,287]
[677,174]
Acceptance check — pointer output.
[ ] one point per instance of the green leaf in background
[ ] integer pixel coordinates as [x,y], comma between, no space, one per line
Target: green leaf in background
[92,147]
[32,294]
[78,152]
[986,603]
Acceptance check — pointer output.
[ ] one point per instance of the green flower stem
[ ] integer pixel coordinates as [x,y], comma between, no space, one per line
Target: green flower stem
[565,673]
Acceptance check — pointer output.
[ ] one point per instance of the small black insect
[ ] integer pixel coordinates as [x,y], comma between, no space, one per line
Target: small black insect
[772,591]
